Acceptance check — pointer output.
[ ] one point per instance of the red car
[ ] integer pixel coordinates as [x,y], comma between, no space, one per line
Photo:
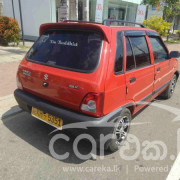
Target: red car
[95,73]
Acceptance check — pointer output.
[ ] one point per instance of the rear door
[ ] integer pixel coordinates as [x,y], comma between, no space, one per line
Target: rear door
[162,63]
[139,68]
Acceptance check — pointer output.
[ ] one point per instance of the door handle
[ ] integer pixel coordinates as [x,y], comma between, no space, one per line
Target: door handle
[133,79]
[158,69]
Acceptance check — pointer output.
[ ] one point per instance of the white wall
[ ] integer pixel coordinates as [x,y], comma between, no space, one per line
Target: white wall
[1,8]
[34,13]
[153,12]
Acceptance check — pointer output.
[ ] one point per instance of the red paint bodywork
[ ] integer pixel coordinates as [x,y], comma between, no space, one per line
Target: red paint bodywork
[103,80]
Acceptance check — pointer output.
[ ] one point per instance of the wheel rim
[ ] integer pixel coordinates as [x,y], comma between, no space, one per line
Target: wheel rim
[122,130]
[173,85]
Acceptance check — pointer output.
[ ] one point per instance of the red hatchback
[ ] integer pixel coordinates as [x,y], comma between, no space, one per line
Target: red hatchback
[95,73]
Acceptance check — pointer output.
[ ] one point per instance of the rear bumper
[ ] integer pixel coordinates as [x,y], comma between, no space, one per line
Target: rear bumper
[93,126]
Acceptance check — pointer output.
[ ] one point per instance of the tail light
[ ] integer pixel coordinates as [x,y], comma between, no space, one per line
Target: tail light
[92,104]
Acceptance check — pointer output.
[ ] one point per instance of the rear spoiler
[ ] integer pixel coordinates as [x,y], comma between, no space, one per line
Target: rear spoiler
[68,25]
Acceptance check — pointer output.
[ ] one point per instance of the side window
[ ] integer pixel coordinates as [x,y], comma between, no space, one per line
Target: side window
[119,54]
[130,64]
[159,51]
[140,50]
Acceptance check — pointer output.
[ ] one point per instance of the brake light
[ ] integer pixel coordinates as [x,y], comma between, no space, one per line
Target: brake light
[92,104]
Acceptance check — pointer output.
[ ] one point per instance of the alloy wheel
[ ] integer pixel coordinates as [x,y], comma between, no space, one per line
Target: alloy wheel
[122,130]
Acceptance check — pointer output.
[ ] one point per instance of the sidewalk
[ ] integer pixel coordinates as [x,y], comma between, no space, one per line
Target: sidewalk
[173,47]
[10,58]
[11,54]
[8,106]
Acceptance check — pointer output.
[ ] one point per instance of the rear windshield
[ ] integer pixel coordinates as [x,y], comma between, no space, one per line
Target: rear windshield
[67,49]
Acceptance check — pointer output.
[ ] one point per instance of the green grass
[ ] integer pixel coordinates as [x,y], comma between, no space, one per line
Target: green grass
[23,47]
[173,41]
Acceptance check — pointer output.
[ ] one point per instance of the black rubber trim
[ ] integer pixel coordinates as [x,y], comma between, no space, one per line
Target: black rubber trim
[119,33]
[150,95]
[27,100]
[94,126]
[134,33]
[152,33]
[144,100]
[160,88]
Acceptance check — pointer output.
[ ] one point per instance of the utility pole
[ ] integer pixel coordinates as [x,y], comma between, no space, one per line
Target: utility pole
[21,22]
[13,8]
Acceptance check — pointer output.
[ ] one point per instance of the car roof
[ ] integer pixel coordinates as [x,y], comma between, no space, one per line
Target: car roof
[76,25]
[106,30]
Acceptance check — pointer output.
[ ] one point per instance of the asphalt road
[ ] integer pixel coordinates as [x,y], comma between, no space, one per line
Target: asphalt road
[24,148]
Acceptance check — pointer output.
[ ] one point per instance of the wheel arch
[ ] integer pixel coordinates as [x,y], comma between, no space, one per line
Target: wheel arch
[131,107]
[177,74]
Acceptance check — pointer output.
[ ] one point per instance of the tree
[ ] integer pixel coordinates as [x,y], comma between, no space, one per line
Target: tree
[158,24]
[171,8]
[9,30]
[150,2]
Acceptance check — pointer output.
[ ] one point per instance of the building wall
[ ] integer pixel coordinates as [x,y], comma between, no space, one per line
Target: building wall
[153,12]
[129,6]
[1,8]
[34,13]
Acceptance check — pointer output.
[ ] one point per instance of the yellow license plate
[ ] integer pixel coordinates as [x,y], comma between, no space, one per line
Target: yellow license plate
[48,118]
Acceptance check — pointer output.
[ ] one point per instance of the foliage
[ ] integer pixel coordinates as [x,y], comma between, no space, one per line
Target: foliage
[150,2]
[178,33]
[9,30]
[158,24]
[172,41]
[171,8]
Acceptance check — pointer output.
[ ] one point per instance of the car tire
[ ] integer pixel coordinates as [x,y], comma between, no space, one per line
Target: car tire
[120,131]
[170,89]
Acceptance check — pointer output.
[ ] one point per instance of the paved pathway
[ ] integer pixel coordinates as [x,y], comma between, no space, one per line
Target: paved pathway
[10,58]
[174,47]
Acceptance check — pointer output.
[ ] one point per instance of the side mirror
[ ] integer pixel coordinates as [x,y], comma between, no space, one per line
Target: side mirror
[174,54]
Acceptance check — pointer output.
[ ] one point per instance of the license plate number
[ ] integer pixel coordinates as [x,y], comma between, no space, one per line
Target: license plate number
[48,118]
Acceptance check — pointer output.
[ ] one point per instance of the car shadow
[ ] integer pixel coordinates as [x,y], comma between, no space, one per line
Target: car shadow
[14,110]
[38,134]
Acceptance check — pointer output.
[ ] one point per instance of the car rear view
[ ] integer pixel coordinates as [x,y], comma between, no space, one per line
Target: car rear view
[62,74]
